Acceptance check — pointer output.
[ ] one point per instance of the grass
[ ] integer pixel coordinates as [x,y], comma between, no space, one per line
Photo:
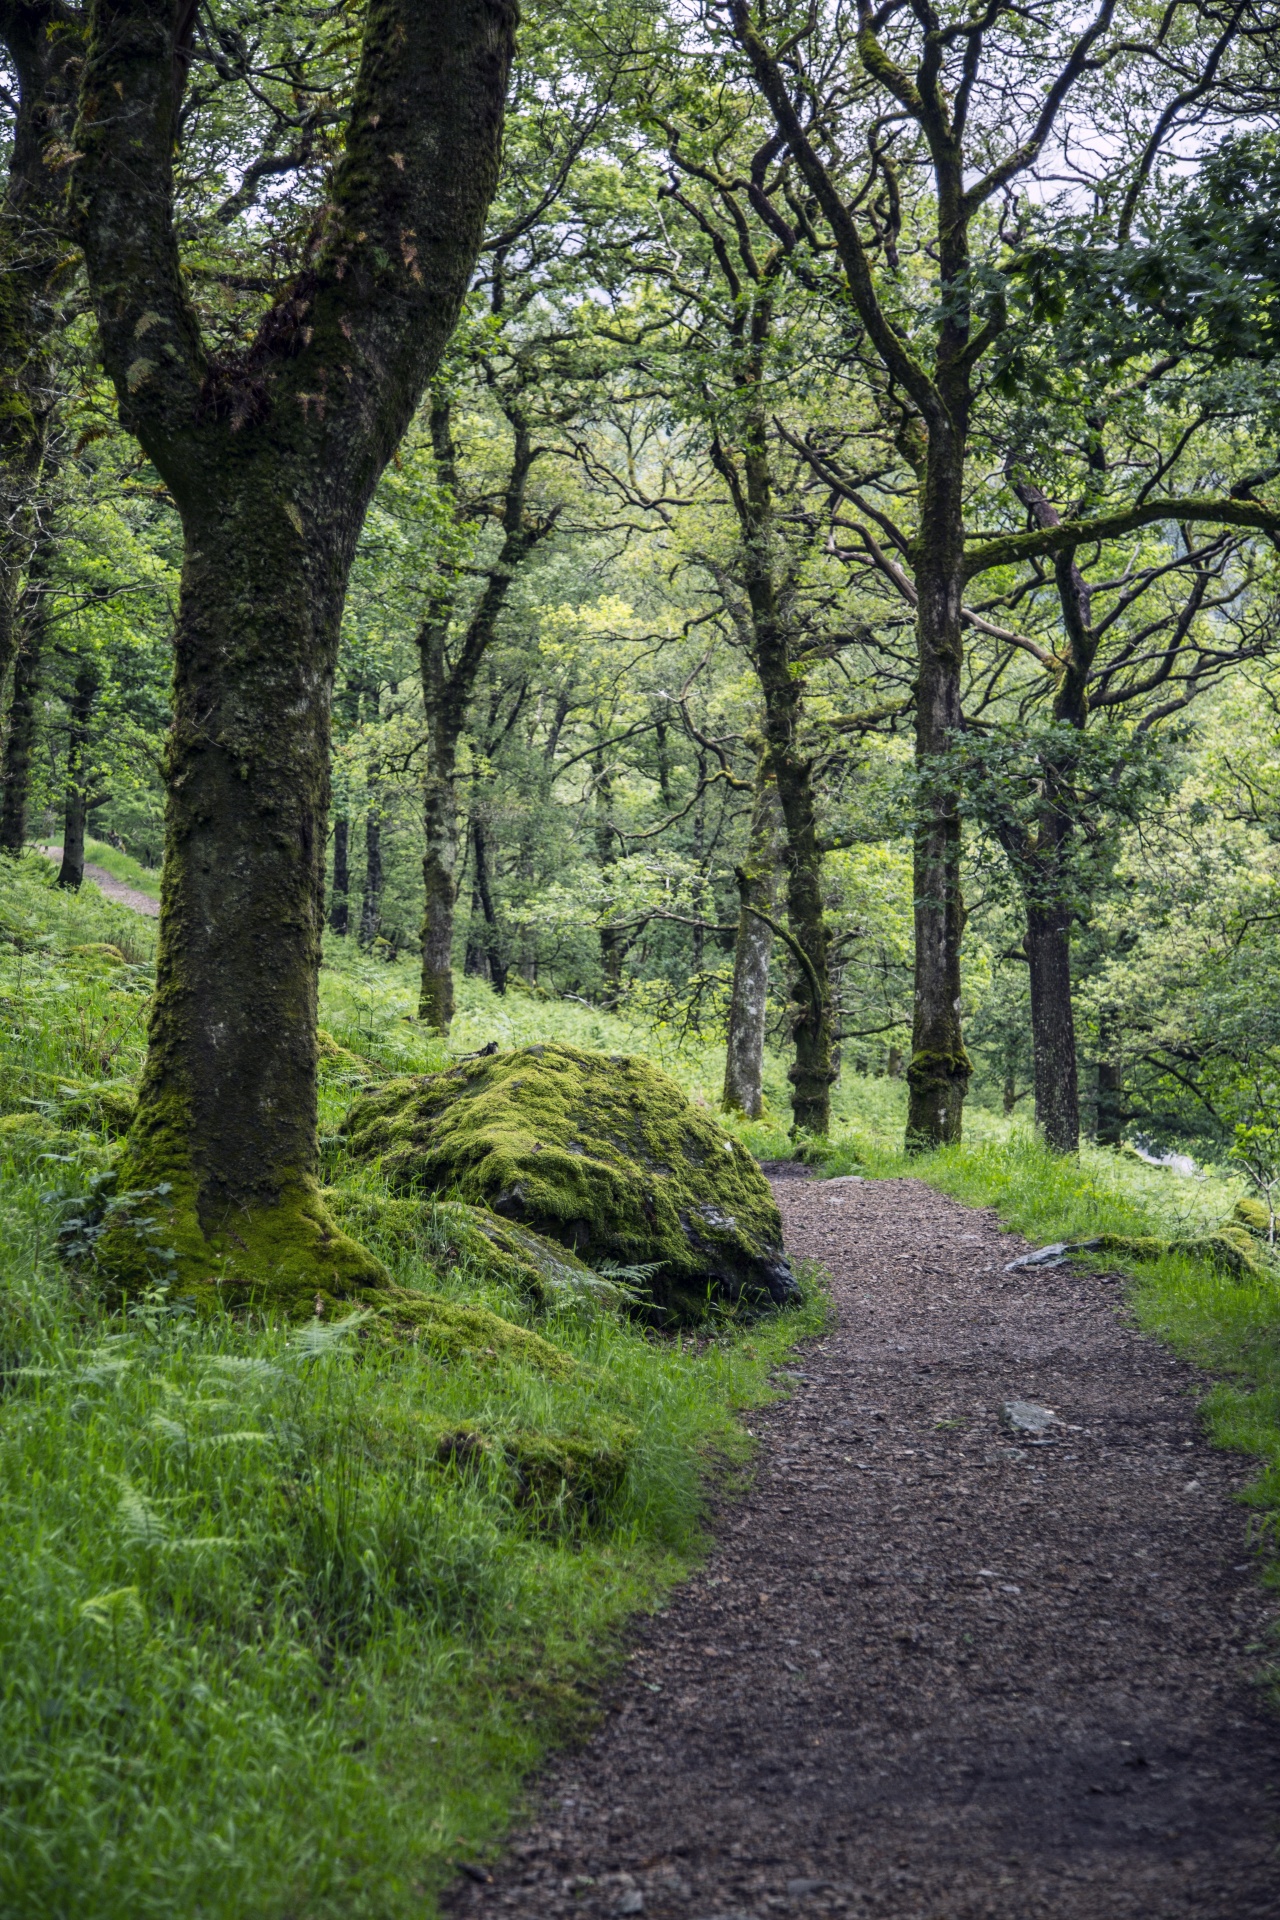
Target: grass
[271,1642]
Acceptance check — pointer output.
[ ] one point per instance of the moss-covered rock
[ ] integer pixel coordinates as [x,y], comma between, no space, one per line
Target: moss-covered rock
[1230,1248]
[455,1332]
[1251,1214]
[108,1106]
[102,950]
[563,1478]
[448,1233]
[599,1152]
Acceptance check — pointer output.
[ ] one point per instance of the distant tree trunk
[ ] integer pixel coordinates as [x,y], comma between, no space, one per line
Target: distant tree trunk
[20,739]
[271,458]
[699,867]
[613,948]
[748,1004]
[812,1071]
[371,893]
[1111,1109]
[497,967]
[893,1065]
[446,694]
[1053,1031]
[84,697]
[340,904]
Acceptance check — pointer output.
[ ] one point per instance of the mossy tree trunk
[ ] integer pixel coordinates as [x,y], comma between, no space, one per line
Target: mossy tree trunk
[448,683]
[340,901]
[271,461]
[78,772]
[44,46]
[19,745]
[791,769]
[748,1001]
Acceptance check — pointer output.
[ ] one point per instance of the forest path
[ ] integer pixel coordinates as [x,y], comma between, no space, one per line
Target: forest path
[926,1673]
[124,896]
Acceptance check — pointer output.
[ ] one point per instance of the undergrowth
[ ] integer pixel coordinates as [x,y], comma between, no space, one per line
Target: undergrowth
[286,1617]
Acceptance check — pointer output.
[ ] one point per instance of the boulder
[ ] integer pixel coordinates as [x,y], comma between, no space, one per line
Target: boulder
[600,1152]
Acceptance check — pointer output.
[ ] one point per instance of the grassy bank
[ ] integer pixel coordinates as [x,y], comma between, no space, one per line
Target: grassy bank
[286,1618]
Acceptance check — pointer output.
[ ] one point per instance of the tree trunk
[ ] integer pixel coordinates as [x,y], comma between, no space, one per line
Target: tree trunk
[44,47]
[445,704]
[938,1076]
[613,949]
[20,739]
[497,965]
[371,894]
[272,457]
[1053,1030]
[84,698]
[340,905]
[1111,1108]
[757,887]
[812,1072]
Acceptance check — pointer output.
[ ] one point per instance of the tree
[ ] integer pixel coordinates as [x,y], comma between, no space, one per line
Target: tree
[959,85]
[271,453]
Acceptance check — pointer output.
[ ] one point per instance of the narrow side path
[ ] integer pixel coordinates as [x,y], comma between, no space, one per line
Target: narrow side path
[928,1673]
[124,896]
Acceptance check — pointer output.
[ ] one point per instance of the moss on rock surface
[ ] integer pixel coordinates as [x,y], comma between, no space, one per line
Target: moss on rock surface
[563,1478]
[448,1233]
[599,1152]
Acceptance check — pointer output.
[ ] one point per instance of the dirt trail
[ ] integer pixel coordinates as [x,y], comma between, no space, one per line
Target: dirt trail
[929,1674]
[114,889]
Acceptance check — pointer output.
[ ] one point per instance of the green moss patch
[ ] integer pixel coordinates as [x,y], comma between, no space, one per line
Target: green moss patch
[601,1153]
[564,1479]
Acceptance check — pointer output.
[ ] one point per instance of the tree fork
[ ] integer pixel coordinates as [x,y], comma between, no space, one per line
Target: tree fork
[271,462]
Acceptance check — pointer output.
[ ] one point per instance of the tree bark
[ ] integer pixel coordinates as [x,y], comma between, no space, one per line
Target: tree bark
[20,738]
[45,51]
[371,892]
[1053,1031]
[748,1003]
[271,461]
[613,943]
[340,904]
[447,687]
[1111,1115]
[493,946]
[84,697]
[938,1076]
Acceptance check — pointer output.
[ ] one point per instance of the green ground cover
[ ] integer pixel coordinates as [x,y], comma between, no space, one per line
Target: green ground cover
[286,1617]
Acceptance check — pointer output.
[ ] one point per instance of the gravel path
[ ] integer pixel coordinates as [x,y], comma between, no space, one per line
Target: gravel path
[124,896]
[929,1674]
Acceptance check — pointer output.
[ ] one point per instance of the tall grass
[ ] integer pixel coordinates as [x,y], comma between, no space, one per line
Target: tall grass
[284,1619]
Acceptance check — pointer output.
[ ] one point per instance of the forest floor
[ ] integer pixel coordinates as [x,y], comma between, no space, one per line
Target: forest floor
[927,1671]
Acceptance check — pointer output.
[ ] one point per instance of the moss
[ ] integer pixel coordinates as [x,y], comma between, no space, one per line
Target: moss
[455,1332]
[28,1138]
[1230,1248]
[109,1107]
[1252,1215]
[601,1153]
[446,1233]
[99,950]
[562,1478]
